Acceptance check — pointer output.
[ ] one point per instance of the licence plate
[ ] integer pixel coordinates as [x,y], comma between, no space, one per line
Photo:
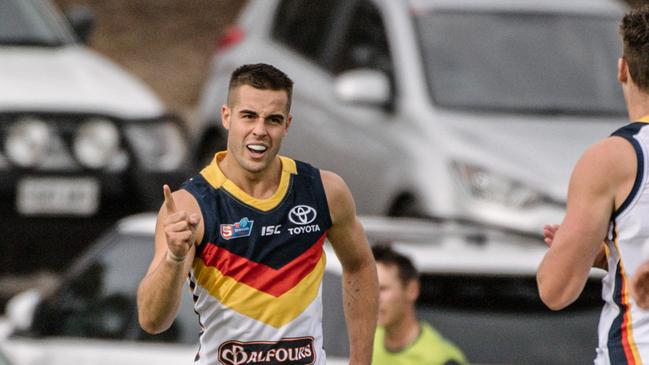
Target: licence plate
[57,196]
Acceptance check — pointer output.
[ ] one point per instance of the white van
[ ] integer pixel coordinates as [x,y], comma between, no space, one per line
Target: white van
[462,111]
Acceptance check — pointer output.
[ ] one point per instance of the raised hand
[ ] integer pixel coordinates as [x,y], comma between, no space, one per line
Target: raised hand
[179,228]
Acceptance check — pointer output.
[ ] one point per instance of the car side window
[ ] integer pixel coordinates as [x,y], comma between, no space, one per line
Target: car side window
[97,297]
[304,27]
[364,44]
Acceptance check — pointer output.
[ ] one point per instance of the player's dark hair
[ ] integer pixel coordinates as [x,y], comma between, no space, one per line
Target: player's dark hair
[634,30]
[261,76]
[386,255]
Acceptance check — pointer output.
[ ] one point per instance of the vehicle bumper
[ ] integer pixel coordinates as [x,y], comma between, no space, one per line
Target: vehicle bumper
[34,241]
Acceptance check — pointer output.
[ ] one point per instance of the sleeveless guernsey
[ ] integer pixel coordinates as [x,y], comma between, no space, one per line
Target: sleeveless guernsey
[256,279]
[623,327]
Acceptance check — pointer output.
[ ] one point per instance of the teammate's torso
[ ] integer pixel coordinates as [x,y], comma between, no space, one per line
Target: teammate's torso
[623,327]
[257,274]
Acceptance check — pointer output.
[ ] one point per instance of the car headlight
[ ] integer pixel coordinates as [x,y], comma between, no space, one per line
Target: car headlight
[158,146]
[28,142]
[487,185]
[96,145]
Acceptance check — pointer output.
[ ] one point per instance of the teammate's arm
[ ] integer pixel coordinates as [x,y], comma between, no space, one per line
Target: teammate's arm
[599,180]
[549,230]
[178,227]
[360,283]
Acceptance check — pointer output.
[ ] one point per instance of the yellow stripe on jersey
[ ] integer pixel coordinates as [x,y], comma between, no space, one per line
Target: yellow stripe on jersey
[644,119]
[213,174]
[627,322]
[274,311]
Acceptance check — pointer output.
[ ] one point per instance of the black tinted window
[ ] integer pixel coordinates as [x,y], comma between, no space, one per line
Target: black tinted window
[493,319]
[501,320]
[97,298]
[365,44]
[303,25]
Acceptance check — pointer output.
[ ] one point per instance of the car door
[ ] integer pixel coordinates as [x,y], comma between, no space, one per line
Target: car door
[91,318]
[349,140]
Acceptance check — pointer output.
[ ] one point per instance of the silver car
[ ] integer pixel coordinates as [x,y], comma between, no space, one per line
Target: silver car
[460,111]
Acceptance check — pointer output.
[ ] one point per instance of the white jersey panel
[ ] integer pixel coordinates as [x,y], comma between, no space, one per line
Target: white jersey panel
[623,327]
[222,325]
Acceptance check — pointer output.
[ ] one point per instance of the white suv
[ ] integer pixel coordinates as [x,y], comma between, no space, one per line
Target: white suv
[482,297]
[462,111]
[82,142]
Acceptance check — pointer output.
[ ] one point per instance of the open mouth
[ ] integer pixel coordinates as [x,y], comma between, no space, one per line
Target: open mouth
[257,149]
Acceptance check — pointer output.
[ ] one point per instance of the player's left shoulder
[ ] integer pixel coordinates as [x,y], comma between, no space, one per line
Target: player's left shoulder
[334,185]
[611,155]
[616,147]
[339,197]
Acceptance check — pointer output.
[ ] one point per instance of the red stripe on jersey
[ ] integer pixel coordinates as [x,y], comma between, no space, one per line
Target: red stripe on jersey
[263,277]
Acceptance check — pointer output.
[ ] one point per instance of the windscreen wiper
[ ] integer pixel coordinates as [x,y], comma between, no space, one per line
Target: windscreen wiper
[30,42]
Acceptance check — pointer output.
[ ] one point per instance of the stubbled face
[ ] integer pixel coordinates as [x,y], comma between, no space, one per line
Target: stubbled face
[257,120]
[394,297]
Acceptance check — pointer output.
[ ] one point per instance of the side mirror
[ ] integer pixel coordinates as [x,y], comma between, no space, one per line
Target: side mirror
[82,21]
[364,86]
[21,308]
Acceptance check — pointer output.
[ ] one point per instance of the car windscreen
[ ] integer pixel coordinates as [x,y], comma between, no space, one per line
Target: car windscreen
[98,296]
[31,23]
[522,62]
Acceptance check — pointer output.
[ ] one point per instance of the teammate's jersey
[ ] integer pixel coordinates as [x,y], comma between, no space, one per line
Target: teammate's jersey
[623,327]
[256,279]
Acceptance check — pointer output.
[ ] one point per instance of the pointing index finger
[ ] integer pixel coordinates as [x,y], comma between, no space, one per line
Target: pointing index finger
[169,199]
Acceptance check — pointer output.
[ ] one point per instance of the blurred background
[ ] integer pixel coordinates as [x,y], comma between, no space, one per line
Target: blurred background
[167,43]
[70,263]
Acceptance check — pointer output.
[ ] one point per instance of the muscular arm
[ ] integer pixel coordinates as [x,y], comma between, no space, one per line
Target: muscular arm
[600,260]
[360,283]
[601,180]
[178,227]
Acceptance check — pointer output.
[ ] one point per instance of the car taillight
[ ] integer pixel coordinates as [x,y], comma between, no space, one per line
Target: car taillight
[231,36]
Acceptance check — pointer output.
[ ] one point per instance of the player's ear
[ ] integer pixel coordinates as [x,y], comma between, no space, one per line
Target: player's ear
[288,124]
[226,113]
[622,70]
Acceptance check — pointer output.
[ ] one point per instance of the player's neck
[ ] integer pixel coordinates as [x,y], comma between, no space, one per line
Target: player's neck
[637,104]
[259,185]
[403,334]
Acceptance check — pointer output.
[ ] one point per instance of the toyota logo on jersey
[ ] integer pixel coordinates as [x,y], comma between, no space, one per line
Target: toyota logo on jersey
[302,214]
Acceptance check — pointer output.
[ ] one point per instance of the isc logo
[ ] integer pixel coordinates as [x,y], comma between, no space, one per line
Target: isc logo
[270,230]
